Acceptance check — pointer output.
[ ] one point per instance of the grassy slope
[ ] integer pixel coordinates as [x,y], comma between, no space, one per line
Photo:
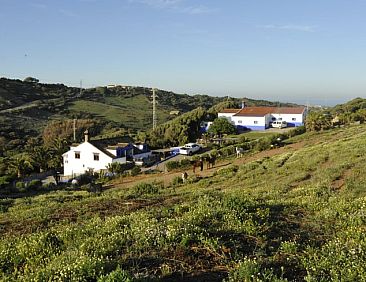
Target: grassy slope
[296,215]
[59,101]
[133,112]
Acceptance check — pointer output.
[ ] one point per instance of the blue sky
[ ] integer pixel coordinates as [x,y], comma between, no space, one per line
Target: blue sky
[288,50]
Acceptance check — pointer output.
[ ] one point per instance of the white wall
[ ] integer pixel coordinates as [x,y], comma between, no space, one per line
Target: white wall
[86,161]
[249,122]
[142,156]
[228,116]
[299,118]
[122,160]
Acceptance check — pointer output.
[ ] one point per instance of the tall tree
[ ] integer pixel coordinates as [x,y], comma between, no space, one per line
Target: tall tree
[222,126]
[56,150]
[20,166]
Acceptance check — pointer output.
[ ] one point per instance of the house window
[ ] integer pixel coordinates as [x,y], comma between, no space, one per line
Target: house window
[279,118]
[255,122]
[273,118]
[96,157]
[293,119]
[240,121]
[77,155]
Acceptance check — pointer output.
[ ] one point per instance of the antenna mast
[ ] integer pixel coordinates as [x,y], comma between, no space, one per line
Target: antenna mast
[155,121]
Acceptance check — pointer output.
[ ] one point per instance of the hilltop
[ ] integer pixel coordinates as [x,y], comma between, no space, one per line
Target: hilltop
[26,107]
[292,213]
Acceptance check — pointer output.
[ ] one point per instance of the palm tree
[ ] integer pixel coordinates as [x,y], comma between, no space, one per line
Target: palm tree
[20,165]
[56,150]
[40,157]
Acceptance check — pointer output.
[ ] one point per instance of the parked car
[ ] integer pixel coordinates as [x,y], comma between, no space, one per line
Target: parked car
[279,124]
[189,149]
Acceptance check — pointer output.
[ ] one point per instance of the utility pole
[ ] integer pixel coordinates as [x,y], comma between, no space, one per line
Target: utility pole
[81,88]
[155,121]
[74,128]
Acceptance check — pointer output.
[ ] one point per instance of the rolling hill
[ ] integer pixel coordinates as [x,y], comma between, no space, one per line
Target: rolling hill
[295,213]
[26,107]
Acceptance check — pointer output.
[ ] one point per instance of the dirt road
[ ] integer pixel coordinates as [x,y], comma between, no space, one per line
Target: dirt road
[167,177]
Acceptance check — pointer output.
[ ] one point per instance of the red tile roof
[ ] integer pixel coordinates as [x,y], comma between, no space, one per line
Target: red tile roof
[289,110]
[254,111]
[262,111]
[229,111]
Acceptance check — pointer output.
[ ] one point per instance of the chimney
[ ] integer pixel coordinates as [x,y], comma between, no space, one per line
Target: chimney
[243,104]
[86,135]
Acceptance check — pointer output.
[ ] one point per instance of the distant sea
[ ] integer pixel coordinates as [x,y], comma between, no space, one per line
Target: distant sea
[328,102]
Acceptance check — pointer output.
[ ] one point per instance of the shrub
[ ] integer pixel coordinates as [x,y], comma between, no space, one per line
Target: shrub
[177,180]
[20,186]
[263,144]
[84,179]
[184,163]
[5,181]
[193,179]
[172,165]
[297,131]
[146,189]
[49,186]
[116,275]
[229,171]
[34,184]
[135,170]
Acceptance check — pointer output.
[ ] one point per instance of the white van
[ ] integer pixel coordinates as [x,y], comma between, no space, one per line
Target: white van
[279,124]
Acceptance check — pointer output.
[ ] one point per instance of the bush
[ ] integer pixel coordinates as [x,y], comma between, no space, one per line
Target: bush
[146,189]
[135,170]
[116,275]
[34,184]
[20,186]
[5,181]
[177,180]
[297,131]
[49,186]
[84,179]
[263,144]
[185,163]
[229,171]
[172,165]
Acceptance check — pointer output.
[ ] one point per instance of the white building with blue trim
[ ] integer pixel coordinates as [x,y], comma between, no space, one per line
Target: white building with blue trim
[260,118]
[94,156]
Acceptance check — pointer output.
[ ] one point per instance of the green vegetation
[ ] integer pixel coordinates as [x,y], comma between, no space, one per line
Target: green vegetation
[298,215]
[222,126]
[26,107]
[179,131]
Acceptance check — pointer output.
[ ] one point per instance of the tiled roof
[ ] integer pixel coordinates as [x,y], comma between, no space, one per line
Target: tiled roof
[262,111]
[289,110]
[254,111]
[100,147]
[229,111]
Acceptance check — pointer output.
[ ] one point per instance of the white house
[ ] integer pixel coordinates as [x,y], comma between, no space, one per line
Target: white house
[260,118]
[93,156]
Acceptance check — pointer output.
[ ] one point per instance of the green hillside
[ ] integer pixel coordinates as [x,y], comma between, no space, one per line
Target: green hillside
[26,107]
[295,213]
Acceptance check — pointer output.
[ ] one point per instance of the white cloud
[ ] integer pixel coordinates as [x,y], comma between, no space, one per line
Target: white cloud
[38,5]
[158,3]
[176,5]
[303,28]
[196,10]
